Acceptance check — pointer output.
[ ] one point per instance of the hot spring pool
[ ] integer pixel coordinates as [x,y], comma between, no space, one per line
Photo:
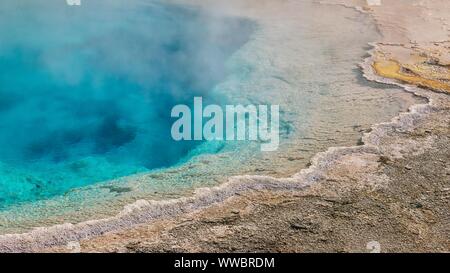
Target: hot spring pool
[86,92]
[86,95]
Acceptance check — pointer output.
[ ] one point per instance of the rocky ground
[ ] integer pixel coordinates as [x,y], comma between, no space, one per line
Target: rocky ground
[397,197]
[410,214]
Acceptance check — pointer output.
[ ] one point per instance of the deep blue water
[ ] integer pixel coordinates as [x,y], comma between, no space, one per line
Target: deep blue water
[86,92]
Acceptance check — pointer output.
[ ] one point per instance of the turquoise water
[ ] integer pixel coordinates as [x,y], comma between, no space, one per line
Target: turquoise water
[86,92]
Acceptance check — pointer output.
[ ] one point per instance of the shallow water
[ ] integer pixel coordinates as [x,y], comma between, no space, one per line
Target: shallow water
[86,92]
[303,61]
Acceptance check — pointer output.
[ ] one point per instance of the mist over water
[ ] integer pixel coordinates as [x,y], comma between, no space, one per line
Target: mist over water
[86,92]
